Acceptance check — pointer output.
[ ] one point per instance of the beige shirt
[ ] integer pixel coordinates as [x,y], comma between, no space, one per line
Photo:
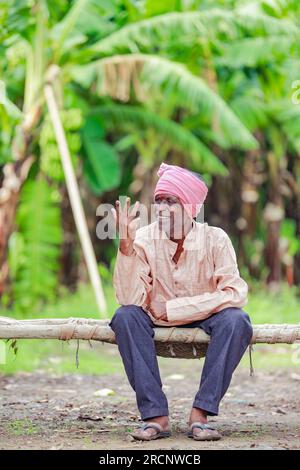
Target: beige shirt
[204,281]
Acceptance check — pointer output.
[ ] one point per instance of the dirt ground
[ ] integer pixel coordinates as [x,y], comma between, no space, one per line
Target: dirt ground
[41,411]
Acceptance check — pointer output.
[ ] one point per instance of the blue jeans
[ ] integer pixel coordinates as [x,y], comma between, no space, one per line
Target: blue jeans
[230,331]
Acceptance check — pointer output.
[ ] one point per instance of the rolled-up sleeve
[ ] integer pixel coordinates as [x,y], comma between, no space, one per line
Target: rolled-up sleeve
[132,277]
[231,289]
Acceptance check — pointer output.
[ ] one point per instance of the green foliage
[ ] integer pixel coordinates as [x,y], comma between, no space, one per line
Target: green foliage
[34,253]
[194,93]
[288,118]
[251,110]
[212,77]
[173,82]
[119,116]
[288,232]
[6,106]
[10,115]
[208,24]
[252,52]
[50,158]
[101,165]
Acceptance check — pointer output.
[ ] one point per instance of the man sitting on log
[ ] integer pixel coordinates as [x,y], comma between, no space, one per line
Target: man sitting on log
[177,271]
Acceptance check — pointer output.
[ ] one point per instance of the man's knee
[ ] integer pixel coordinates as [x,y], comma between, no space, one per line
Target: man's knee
[124,315]
[238,322]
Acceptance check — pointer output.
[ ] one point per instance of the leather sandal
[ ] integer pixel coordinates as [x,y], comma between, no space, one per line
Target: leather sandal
[207,433]
[141,435]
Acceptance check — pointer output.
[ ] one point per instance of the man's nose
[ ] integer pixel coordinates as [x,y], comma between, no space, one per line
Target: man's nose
[163,206]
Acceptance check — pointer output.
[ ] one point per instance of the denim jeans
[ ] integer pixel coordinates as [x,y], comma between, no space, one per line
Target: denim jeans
[230,333]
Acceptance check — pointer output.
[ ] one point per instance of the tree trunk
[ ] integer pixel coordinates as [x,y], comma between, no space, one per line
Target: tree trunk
[253,175]
[14,176]
[273,215]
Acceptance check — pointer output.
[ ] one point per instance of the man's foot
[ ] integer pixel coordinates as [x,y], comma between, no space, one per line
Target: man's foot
[153,428]
[199,429]
[203,432]
[199,415]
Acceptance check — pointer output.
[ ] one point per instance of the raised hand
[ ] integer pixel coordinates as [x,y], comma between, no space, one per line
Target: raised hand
[126,224]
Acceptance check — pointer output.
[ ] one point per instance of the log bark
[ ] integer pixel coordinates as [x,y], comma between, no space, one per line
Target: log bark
[175,342]
[99,330]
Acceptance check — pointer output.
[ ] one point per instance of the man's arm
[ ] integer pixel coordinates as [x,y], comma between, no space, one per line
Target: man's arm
[231,290]
[132,277]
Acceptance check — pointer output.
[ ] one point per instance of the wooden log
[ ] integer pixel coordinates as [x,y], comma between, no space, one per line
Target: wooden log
[98,330]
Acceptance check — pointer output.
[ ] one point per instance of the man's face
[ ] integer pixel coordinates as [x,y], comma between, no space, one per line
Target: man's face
[170,214]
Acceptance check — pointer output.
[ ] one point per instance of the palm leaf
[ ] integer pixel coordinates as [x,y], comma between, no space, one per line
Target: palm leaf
[118,116]
[251,52]
[38,218]
[251,110]
[65,27]
[288,117]
[9,108]
[116,74]
[101,165]
[151,32]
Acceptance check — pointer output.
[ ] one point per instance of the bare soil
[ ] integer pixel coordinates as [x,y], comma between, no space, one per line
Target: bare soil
[42,411]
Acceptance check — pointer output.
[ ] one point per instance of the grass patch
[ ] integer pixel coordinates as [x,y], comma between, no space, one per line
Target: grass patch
[55,357]
[22,427]
[282,307]
[59,357]
[270,357]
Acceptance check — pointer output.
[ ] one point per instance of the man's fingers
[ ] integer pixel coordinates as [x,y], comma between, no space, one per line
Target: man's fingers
[127,205]
[123,219]
[125,216]
[134,210]
[119,219]
[118,208]
[123,211]
[114,213]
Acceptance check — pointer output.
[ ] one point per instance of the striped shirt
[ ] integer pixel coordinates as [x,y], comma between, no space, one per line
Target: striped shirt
[204,280]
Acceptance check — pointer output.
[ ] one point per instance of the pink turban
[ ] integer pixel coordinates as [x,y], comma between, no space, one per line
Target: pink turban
[183,184]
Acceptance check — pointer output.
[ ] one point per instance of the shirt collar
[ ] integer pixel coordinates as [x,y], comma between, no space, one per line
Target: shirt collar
[191,241]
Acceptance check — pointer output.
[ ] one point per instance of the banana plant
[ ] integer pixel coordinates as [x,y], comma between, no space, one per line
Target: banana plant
[121,72]
[41,45]
[122,65]
[262,71]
